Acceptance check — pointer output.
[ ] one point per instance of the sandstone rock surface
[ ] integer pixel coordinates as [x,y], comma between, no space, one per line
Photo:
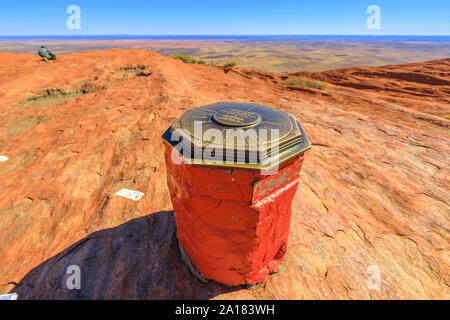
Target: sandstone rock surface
[373,193]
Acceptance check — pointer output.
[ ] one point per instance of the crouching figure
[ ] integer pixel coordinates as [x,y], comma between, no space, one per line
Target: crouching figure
[45,54]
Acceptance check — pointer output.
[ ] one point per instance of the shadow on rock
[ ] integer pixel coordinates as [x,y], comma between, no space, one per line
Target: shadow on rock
[139,259]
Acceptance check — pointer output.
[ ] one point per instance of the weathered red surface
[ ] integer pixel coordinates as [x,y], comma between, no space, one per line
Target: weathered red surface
[232,223]
[373,189]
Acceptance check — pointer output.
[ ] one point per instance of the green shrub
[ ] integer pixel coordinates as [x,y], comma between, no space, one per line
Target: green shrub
[181,57]
[187,59]
[298,82]
[230,64]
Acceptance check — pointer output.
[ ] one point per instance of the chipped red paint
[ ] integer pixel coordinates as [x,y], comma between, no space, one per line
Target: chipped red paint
[232,223]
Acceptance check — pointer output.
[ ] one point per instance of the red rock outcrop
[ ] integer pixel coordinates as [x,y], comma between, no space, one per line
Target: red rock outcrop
[423,87]
[373,193]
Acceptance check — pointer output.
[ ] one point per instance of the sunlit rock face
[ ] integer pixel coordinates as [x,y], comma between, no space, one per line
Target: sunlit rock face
[370,220]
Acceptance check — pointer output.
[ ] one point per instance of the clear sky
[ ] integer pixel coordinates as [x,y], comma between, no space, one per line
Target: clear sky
[232,17]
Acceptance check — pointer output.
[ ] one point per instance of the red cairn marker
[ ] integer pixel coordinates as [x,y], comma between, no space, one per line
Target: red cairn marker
[232,172]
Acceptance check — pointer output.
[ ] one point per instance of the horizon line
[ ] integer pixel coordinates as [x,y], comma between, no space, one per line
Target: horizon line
[225,35]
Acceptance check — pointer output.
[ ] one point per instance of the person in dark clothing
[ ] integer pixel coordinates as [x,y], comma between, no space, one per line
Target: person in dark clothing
[45,54]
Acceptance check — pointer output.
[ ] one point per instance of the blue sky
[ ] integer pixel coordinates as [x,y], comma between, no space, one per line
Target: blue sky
[101,17]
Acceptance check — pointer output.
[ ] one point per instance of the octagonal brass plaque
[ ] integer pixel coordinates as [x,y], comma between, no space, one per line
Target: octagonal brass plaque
[245,135]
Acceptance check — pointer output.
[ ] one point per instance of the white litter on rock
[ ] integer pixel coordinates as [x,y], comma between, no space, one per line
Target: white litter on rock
[129,194]
[11,296]
[3,158]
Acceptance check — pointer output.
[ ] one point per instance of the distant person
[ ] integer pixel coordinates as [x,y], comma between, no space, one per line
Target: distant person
[45,54]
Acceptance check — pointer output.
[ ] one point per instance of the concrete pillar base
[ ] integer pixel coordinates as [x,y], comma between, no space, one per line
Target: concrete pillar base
[190,265]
